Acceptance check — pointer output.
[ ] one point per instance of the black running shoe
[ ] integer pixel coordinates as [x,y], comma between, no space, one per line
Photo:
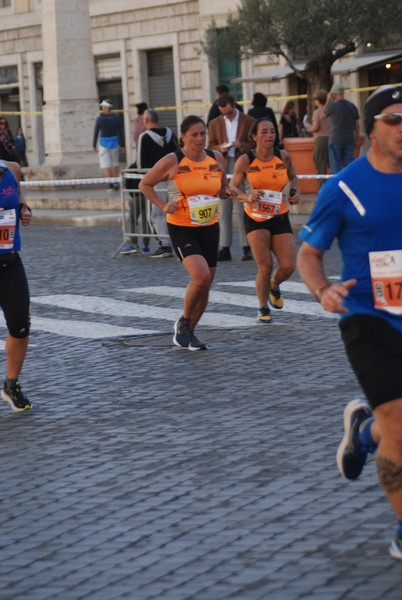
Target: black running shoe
[351,455]
[195,343]
[15,397]
[181,336]
[162,252]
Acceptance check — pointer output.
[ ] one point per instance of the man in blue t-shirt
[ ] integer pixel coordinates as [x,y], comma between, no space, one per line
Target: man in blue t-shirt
[361,207]
[109,129]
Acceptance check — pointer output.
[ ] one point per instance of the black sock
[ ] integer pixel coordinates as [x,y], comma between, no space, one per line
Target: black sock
[11,383]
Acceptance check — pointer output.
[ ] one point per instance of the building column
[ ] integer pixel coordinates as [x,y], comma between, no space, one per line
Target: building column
[69,86]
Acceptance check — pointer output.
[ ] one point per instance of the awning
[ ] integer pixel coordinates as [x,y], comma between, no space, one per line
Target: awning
[340,66]
[270,74]
[366,60]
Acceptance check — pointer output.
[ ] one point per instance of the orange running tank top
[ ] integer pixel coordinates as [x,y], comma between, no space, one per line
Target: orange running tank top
[270,176]
[198,184]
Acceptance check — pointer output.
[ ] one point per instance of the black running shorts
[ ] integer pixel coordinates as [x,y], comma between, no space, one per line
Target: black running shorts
[187,241]
[276,225]
[374,350]
[14,294]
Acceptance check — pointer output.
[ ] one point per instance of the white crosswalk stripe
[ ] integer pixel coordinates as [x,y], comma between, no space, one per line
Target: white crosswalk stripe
[102,307]
[292,306]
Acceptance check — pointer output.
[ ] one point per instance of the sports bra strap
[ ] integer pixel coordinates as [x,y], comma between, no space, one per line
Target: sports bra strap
[251,156]
[179,155]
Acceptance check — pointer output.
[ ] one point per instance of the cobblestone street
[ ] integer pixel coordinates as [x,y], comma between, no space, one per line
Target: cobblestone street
[147,472]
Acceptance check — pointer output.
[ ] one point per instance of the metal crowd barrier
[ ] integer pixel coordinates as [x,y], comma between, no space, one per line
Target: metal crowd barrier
[140,218]
[139,215]
[138,212]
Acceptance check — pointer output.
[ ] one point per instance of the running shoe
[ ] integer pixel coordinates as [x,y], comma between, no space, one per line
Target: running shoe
[264,315]
[146,250]
[162,252]
[395,548]
[224,254]
[275,298]
[129,249]
[181,336]
[351,455]
[15,397]
[195,343]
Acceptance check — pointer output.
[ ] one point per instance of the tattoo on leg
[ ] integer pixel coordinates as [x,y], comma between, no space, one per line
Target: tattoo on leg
[390,475]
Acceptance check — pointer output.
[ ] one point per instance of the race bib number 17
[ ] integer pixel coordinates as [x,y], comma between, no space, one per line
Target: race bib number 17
[386,280]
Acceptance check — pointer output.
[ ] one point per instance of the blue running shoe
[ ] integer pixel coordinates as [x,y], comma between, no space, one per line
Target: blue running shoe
[264,315]
[146,250]
[182,336]
[395,548]
[351,455]
[129,249]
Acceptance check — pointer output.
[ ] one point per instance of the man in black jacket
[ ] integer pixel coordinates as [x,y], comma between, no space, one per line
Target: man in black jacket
[154,144]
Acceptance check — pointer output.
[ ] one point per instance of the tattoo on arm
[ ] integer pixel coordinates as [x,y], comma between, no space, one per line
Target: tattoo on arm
[389,474]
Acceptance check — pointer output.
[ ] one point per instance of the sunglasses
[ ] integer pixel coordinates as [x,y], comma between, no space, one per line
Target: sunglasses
[3,123]
[390,118]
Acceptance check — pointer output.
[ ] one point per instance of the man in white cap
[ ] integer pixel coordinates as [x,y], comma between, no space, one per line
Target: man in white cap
[109,129]
[362,208]
[345,128]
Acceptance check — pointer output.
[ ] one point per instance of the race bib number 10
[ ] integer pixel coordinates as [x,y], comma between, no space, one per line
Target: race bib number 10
[8,221]
[386,279]
[203,209]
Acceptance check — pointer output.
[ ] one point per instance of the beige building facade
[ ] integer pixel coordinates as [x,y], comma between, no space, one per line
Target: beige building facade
[142,50]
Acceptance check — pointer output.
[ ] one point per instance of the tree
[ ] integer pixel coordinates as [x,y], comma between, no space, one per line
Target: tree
[317,31]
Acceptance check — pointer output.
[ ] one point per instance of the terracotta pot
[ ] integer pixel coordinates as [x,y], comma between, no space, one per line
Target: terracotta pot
[301,152]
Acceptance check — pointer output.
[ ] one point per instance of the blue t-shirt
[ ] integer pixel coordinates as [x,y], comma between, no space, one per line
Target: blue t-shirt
[370,221]
[108,126]
[9,216]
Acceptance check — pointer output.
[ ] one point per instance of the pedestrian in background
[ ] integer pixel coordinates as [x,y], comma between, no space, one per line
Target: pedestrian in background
[138,125]
[361,207]
[289,123]
[14,291]
[345,128]
[109,129]
[153,144]
[321,129]
[21,145]
[214,110]
[8,148]
[260,109]
[230,134]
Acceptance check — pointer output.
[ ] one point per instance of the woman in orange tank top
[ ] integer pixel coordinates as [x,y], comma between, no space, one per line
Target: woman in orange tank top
[273,184]
[192,217]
